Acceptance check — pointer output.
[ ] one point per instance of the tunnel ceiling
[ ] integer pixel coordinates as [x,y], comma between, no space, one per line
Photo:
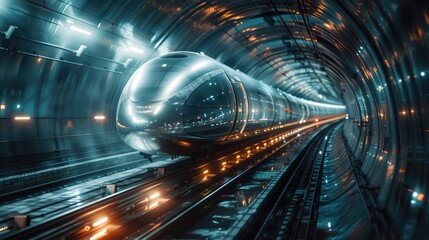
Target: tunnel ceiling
[310,49]
[306,48]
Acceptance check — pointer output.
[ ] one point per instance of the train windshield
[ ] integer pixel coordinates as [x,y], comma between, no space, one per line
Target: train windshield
[152,83]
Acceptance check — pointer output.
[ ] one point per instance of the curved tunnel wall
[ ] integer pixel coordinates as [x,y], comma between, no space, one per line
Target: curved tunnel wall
[375,56]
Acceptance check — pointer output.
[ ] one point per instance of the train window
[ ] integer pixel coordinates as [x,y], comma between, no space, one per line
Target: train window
[261,107]
[209,110]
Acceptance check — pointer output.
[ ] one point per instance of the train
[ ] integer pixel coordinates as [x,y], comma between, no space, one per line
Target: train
[185,103]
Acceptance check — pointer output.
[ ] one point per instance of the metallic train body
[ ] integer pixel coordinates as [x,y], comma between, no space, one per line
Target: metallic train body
[184,102]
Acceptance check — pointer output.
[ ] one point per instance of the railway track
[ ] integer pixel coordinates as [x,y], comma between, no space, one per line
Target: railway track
[161,199]
[290,196]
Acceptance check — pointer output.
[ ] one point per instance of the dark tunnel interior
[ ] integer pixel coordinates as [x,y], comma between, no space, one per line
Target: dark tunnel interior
[64,63]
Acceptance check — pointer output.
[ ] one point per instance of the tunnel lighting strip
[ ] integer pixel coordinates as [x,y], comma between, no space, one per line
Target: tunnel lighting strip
[99,234]
[137,50]
[80,30]
[99,117]
[326,105]
[101,221]
[22,118]
[66,61]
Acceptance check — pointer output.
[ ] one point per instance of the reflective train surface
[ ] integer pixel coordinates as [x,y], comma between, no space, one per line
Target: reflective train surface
[183,103]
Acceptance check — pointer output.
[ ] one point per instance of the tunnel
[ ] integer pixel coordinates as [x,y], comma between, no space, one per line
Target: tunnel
[64,64]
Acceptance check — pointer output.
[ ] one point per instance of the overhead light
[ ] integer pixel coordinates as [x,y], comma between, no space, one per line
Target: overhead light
[101,221]
[80,50]
[10,31]
[77,29]
[99,117]
[137,50]
[22,118]
[127,62]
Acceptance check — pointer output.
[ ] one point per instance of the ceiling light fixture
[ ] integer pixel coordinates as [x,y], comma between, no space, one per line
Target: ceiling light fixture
[10,31]
[80,30]
[127,62]
[80,50]
[137,50]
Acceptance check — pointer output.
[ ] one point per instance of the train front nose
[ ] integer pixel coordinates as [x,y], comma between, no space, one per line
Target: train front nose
[137,125]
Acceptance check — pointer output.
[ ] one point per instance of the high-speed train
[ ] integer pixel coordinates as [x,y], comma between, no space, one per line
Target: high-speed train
[183,103]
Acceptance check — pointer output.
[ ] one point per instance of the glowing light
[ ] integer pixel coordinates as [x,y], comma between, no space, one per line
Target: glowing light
[99,234]
[4,228]
[22,118]
[415,194]
[80,50]
[324,104]
[164,65]
[158,109]
[329,224]
[101,221]
[80,30]
[153,205]
[2,106]
[18,105]
[206,171]
[155,195]
[137,50]
[127,62]
[99,117]
[420,197]
[223,163]
[39,59]
[422,74]
[10,31]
